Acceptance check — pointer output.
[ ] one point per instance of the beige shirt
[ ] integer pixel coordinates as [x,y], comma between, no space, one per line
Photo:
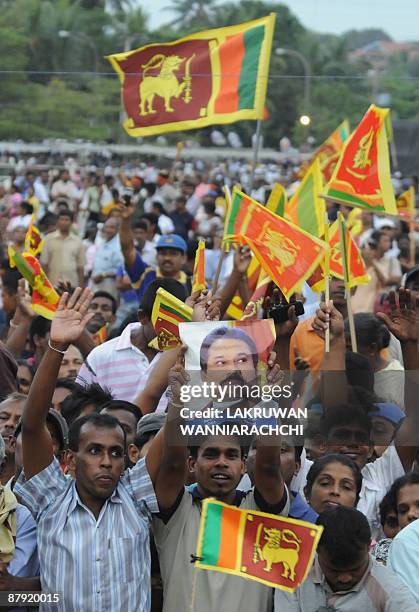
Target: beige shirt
[63,256]
[214,591]
[365,295]
[379,590]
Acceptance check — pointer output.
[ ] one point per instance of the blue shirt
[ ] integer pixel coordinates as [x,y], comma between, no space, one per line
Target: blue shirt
[101,564]
[25,562]
[299,509]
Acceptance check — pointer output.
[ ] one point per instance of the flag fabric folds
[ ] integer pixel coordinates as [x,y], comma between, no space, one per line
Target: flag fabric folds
[362,175]
[44,297]
[306,208]
[270,549]
[406,203]
[236,308]
[198,282]
[168,312]
[287,254]
[101,335]
[33,240]
[277,201]
[212,77]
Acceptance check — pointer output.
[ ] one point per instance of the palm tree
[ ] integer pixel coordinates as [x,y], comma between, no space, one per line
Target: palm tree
[193,14]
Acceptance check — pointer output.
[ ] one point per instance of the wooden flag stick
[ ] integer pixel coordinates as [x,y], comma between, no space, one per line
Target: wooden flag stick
[412,243]
[224,248]
[326,279]
[342,237]
[256,149]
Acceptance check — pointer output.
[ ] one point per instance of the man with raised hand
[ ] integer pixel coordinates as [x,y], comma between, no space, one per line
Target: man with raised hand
[93,530]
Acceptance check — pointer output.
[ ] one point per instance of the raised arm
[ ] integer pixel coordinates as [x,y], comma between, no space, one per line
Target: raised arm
[403,322]
[125,235]
[237,281]
[69,322]
[167,456]
[21,322]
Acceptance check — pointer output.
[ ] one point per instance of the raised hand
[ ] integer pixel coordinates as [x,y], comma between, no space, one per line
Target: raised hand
[286,327]
[274,374]
[403,319]
[24,301]
[205,307]
[327,316]
[178,377]
[242,259]
[126,211]
[71,318]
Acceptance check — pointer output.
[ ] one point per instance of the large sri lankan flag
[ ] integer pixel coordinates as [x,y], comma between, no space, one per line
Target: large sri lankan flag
[362,175]
[288,254]
[212,77]
[270,549]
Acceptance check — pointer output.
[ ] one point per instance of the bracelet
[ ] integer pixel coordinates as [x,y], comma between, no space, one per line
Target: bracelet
[14,325]
[175,405]
[55,349]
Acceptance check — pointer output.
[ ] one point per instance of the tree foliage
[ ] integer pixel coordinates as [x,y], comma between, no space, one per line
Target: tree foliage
[56,82]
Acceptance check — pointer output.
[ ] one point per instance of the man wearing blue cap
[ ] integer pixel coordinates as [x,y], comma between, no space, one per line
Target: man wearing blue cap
[171,256]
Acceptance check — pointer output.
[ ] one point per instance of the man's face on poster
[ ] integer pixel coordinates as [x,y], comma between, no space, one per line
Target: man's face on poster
[230,361]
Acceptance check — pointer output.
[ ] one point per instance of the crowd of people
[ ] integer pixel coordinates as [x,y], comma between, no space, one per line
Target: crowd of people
[100,500]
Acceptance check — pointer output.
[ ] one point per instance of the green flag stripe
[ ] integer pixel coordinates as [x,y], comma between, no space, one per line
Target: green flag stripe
[306,213]
[342,196]
[235,209]
[253,40]
[179,315]
[212,535]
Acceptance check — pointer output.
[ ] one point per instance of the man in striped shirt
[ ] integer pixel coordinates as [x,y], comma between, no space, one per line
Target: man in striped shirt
[93,531]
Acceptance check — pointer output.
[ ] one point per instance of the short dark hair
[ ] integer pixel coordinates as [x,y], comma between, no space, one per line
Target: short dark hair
[199,441]
[116,404]
[169,284]
[10,281]
[140,224]
[39,327]
[47,221]
[158,205]
[103,421]
[370,329]
[151,218]
[27,207]
[386,506]
[107,296]
[80,397]
[319,465]
[226,332]
[408,479]
[346,535]
[347,414]
[65,383]
[65,213]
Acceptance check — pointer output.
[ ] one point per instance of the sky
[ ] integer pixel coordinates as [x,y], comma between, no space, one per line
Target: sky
[399,18]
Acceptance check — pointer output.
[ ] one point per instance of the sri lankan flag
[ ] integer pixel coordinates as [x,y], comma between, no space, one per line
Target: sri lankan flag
[287,254]
[357,272]
[270,549]
[199,283]
[33,240]
[101,335]
[362,176]
[329,152]
[213,77]
[406,204]
[277,201]
[167,313]
[44,297]
[306,208]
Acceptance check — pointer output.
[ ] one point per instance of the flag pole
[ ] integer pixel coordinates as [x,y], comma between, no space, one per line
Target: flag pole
[327,279]
[342,239]
[412,243]
[256,148]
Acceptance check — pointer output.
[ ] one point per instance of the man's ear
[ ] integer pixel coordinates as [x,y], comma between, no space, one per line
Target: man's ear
[142,316]
[297,467]
[133,453]
[71,460]
[12,444]
[191,464]
[370,451]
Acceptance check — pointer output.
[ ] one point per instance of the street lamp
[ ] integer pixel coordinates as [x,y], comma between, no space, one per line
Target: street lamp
[305,117]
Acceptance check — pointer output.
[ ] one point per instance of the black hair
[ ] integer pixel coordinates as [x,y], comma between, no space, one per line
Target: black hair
[132,317]
[80,397]
[39,327]
[26,364]
[159,206]
[65,383]
[108,296]
[319,465]
[141,439]
[140,224]
[371,330]
[114,192]
[116,404]
[65,213]
[28,208]
[226,332]
[376,236]
[47,221]
[181,199]
[348,414]
[408,479]
[359,371]
[386,506]
[199,441]
[151,218]
[345,537]
[10,281]
[103,421]
[169,284]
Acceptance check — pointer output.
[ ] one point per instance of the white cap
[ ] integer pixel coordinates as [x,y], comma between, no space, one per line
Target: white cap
[385,222]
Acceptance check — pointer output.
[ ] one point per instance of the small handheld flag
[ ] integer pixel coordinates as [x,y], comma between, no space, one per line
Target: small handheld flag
[199,283]
[277,200]
[306,208]
[270,549]
[33,240]
[406,204]
[167,313]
